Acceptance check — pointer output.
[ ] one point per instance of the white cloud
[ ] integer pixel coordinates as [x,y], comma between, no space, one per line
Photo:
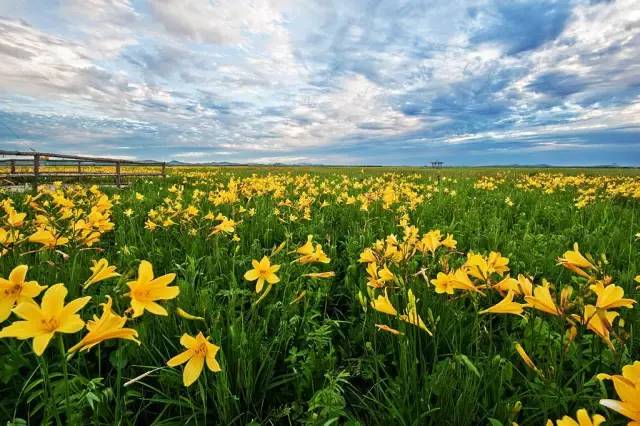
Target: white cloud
[225,21]
[201,155]
[107,26]
[281,77]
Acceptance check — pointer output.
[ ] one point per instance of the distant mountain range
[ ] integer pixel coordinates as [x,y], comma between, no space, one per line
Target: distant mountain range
[22,162]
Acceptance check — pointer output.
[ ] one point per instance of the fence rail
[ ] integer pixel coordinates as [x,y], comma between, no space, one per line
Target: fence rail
[41,158]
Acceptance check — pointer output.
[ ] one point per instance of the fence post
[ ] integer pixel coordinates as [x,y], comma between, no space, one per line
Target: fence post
[118,181]
[36,171]
[79,171]
[13,167]
[164,170]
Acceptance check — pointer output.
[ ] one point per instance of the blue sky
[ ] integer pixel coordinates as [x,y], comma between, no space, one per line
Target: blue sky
[335,82]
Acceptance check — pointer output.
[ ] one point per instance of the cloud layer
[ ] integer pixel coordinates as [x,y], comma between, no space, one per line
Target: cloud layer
[358,82]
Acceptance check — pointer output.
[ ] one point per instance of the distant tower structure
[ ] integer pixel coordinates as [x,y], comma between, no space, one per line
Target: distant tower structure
[436,164]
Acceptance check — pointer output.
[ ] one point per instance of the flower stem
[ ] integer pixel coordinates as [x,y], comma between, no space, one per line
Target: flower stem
[66,377]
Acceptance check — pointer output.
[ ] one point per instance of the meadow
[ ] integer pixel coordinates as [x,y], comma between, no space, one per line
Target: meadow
[356,296]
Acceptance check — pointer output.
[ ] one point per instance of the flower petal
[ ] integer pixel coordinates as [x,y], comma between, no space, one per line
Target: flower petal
[192,370]
[251,275]
[145,271]
[53,300]
[181,358]
[41,342]
[18,274]
[187,341]
[154,308]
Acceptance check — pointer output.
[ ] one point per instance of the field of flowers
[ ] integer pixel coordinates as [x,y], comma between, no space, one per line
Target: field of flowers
[371,296]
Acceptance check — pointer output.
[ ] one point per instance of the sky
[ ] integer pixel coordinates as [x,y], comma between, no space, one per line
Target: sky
[474,82]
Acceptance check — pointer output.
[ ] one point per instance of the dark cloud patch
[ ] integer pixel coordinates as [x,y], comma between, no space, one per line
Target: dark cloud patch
[558,84]
[522,25]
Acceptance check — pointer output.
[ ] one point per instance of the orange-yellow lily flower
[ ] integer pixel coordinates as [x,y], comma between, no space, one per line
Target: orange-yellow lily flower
[146,290]
[575,261]
[262,271]
[41,322]
[627,387]
[109,326]
[199,350]
[506,306]
[542,300]
[582,419]
[101,271]
[383,304]
[16,290]
[611,297]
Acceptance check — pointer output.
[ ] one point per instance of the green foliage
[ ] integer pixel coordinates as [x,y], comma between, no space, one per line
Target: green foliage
[319,360]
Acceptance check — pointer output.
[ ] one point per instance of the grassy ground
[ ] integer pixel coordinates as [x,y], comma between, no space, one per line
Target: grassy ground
[310,351]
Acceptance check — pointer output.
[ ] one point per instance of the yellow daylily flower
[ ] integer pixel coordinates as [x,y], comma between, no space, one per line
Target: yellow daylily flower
[611,296]
[47,238]
[477,266]
[507,284]
[262,271]
[506,306]
[199,350]
[525,285]
[565,296]
[15,219]
[109,326]
[316,255]
[444,283]
[367,256]
[226,225]
[430,241]
[582,419]
[461,281]
[307,248]
[8,237]
[383,304]
[101,271]
[599,321]
[542,300]
[497,263]
[373,280]
[385,274]
[146,290]
[627,387]
[575,261]
[16,290]
[41,322]
[449,242]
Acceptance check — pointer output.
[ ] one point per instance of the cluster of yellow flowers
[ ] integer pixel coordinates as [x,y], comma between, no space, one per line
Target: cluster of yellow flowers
[296,196]
[589,188]
[56,217]
[394,254]
[598,317]
[263,271]
[489,183]
[482,273]
[41,321]
[173,210]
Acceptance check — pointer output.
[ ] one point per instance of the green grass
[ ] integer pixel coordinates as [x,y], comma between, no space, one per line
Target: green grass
[322,360]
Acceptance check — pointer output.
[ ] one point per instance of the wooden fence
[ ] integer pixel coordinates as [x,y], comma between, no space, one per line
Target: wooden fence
[40,159]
